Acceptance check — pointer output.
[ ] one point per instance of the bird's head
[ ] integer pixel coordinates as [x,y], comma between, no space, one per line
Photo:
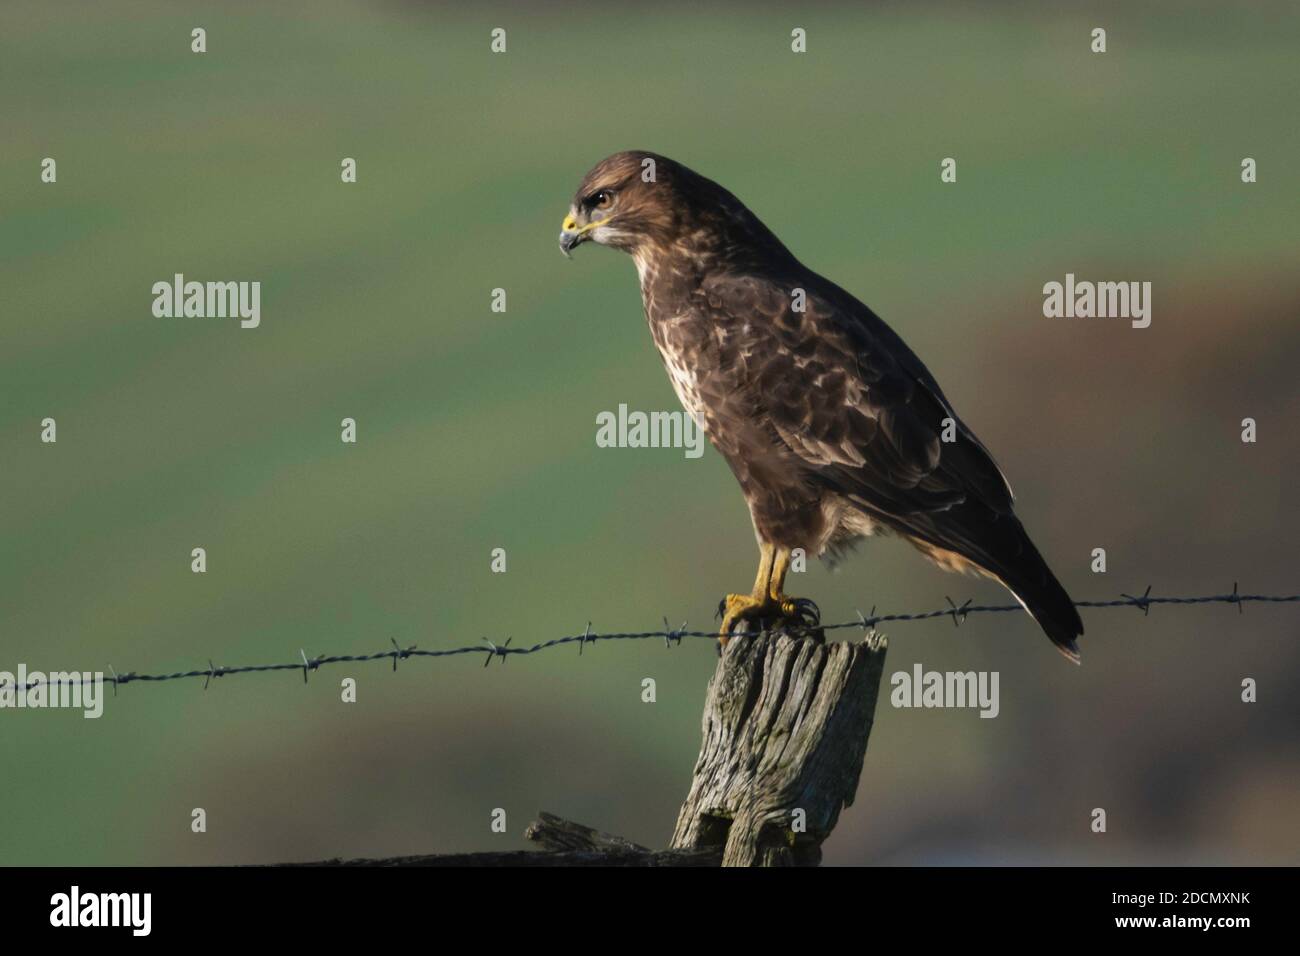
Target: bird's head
[659,210]
[625,201]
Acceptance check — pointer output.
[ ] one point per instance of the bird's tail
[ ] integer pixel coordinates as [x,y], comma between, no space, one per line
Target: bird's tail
[1036,588]
[999,547]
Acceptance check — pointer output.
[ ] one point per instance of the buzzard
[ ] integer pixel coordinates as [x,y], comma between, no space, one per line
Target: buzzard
[833,427]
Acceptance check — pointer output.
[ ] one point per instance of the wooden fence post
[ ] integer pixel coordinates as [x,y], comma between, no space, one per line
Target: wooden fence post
[786,724]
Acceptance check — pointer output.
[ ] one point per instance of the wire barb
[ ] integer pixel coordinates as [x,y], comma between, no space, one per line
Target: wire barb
[868,624]
[1144,602]
[958,613]
[495,651]
[398,653]
[670,635]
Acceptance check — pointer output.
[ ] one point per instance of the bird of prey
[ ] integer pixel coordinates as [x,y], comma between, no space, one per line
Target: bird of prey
[833,427]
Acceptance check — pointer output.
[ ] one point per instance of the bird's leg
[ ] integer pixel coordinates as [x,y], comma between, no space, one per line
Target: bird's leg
[739,607]
[798,611]
[767,605]
[776,583]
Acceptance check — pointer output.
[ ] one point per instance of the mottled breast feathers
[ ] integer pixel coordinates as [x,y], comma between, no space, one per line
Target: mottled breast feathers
[844,393]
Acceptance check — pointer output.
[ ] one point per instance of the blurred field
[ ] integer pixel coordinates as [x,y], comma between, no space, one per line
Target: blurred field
[476,430]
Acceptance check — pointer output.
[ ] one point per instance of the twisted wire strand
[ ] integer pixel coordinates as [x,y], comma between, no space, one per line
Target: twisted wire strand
[669,635]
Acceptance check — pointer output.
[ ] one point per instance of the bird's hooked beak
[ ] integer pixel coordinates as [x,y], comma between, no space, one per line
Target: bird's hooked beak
[572,234]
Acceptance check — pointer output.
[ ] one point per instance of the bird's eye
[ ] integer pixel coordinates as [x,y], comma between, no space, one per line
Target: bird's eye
[602,199]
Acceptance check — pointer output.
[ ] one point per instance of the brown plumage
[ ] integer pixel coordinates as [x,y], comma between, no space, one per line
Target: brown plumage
[830,423]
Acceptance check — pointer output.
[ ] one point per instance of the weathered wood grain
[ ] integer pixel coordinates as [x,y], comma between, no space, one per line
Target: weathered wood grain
[786,724]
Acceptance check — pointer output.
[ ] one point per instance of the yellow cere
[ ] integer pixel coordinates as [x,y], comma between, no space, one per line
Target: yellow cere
[570,225]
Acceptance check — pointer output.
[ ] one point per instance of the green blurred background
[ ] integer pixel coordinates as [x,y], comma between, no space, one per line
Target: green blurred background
[476,430]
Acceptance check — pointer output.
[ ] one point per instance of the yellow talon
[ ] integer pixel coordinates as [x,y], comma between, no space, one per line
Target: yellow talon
[765,612]
[739,607]
[767,606]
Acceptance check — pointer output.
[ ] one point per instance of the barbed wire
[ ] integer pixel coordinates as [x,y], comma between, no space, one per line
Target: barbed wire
[669,635]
